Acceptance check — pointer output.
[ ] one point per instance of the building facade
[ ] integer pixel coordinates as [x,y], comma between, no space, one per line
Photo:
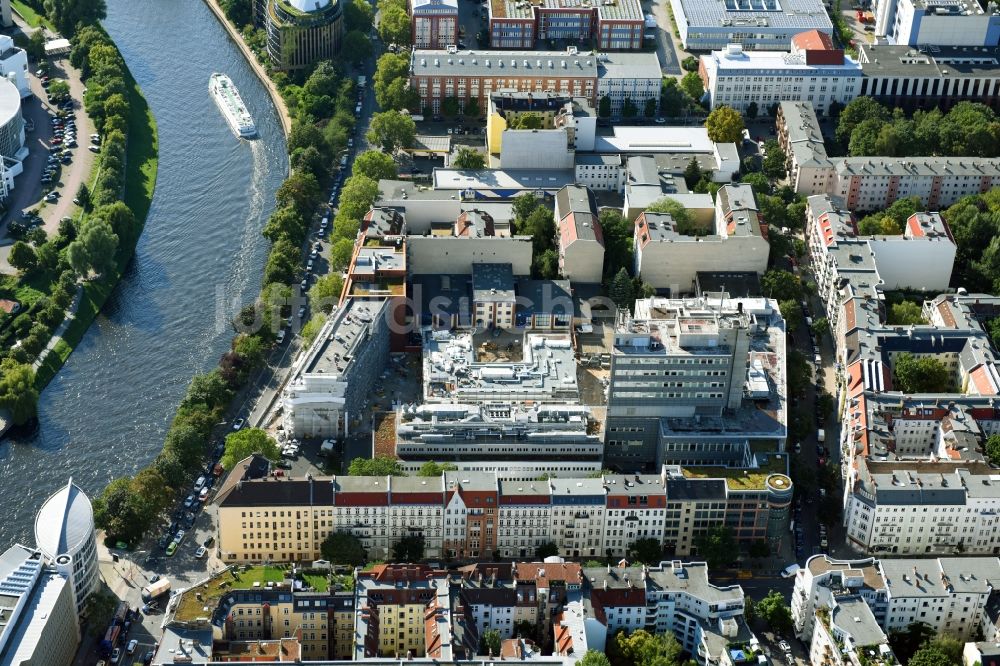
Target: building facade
[433,23]
[611,27]
[932,22]
[64,533]
[300,33]
[580,239]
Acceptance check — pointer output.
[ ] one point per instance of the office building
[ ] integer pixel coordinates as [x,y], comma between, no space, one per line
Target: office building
[614,26]
[64,533]
[812,71]
[924,77]
[937,23]
[669,259]
[14,65]
[600,172]
[580,239]
[433,23]
[949,595]
[38,615]
[694,380]
[470,514]
[436,74]
[707,25]
[300,33]
[333,380]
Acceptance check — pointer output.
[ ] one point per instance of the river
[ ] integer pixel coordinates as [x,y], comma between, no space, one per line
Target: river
[106,412]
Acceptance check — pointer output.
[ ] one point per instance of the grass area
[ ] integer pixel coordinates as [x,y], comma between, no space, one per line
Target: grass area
[140,182]
[193,601]
[30,16]
[738,478]
[318,582]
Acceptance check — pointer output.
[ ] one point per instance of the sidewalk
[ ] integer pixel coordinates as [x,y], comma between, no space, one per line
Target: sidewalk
[58,333]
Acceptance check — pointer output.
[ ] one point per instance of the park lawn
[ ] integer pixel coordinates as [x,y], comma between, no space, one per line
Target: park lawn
[30,16]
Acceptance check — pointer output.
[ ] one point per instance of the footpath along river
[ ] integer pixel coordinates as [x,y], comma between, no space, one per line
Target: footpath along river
[106,412]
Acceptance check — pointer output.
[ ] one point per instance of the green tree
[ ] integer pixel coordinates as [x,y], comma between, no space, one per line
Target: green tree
[237,11]
[375,165]
[931,655]
[408,549]
[94,250]
[468,158]
[325,292]
[759,549]
[649,107]
[752,110]
[433,469]
[629,109]
[906,313]
[781,285]
[681,216]
[992,449]
[545,266]
[621,289]
[207,389]
[906,642]
[22,257]
[641,648]
[343,548]
[717,546]
[490,643]
[692,173]
[604,107]
[379,466]
[547,549]
[312,328]
[300,191]
[856,112]
[690,64]
[647,551]
[121,220]
[121,512]
[450,106]
[288,223]
[878,224]
[529,120]
[725,125]
[775,612]
[617,233]
[358,15]
[83,196]
[340,253]
[792,314]
[774,160]
[594,658]
[921,374]
[66,15]
[59,88]
[541,226]
[17,390]
[821,327]
[758,181]
[357,44]
[693,86]
[391,130]
[244,443]
[357,196]
[394,25]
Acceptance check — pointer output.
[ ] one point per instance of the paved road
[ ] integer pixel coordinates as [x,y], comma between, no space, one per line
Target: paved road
[670,54]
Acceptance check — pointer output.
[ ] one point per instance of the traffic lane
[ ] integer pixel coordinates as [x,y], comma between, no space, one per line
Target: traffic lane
[666,50]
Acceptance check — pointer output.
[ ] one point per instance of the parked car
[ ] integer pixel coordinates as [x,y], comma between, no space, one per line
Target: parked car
[189,501]
[238,423]
[201,552]
[132,645]
[171,549]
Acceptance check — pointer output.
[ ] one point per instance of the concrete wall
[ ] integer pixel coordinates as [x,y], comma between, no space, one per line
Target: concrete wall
[673,265]
[914,263]
[421,212]
[535,149]
[444,255]
[583,261]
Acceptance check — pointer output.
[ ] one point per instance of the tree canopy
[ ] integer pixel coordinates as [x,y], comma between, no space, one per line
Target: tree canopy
[343,548]
[378,466]
[375,164]
[433,469]
[408,549]
[246,442]
[717,546]
[468,158]
[725,125]
[391,130]
[921,374]
[775,611]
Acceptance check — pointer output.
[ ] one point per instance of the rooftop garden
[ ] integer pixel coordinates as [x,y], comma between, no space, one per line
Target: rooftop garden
[195,600]
[739,478]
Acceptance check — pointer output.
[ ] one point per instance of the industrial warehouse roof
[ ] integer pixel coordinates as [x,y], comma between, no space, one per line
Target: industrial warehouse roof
[64,522]
[750,14]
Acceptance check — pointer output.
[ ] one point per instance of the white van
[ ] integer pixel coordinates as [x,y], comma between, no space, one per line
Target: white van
[200,483]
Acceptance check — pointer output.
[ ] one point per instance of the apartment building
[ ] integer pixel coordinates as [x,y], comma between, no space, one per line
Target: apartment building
[932,22]
[705,25]
[436,74]
[331,382]
[433,23]
[812,71]
[679,391]
[565,125]
[847,634]
[516,24]
[947,594]
[668,259]
[402,611]
[39,623]
[469,514]
[493,300]
[873,183]
[580,239]
[649,179]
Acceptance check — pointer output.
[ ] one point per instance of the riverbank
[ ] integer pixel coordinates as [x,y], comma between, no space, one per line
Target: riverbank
[141,162]
[272,90]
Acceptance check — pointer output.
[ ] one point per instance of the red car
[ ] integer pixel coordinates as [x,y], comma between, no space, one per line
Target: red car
[56,141]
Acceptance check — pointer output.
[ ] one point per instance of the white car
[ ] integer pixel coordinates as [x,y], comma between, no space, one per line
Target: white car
[200,553]
[785,647]
[132,645]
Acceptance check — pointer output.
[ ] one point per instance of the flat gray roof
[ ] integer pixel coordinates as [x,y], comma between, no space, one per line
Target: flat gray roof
[436,62]
[333,351]
[929,61]
[751,14]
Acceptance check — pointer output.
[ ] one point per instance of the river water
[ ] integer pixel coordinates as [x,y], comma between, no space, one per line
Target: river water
[106,412]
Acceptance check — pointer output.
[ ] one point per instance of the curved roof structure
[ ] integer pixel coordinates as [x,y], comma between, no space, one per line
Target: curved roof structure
[64,522]
[307,6]
[10,101]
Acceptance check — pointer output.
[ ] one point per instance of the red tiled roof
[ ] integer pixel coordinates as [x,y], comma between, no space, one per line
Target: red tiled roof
[813,40]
